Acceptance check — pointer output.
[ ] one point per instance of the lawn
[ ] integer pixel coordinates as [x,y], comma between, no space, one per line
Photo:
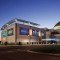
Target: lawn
[55,49]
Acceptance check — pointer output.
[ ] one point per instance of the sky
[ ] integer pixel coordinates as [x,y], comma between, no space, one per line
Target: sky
[44,12]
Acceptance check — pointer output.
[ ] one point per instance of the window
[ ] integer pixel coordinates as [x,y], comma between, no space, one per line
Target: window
[34,32]
[10,32]
[43,35]
[4,33]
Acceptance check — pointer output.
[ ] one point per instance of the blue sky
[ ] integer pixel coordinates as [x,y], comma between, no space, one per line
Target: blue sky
[44,12]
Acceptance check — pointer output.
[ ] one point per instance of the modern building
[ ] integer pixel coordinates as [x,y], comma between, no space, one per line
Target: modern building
[54,36]
[20,31]
[57,26]
[57,31]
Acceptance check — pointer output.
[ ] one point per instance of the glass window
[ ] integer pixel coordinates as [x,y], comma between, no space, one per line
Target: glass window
[43,35]
[4,33]
[34,32]
[10,32]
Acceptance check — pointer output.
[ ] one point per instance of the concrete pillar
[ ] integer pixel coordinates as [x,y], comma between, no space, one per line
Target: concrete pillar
[30,34]
[40,36]
[47,35]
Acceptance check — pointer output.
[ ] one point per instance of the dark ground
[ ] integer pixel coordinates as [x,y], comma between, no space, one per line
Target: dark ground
[20,53]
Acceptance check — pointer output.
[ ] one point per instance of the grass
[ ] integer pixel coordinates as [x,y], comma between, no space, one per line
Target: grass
[55,49]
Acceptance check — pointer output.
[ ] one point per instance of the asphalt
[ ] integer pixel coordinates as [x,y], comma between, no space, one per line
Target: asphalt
[21,53]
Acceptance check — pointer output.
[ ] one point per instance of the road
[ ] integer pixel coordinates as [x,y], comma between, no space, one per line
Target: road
[20,53]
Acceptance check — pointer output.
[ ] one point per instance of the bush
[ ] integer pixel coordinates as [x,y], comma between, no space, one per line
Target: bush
[5,43]
[19,43]
[48,49]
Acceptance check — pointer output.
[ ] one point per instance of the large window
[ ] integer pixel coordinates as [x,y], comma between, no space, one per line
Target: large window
[34,32]
[24,31]
[4,33]
[10,32]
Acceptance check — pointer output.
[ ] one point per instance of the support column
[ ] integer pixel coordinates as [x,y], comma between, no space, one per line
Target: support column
[40,37]
[15,33]
[47,36]
[30,34]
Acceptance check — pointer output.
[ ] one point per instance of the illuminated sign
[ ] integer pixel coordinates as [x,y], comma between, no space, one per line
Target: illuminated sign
[24,31]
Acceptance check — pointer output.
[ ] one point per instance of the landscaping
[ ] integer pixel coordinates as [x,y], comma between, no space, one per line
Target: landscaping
[54,49]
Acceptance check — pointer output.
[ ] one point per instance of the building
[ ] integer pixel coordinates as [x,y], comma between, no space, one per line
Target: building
[20,31]
[57,26]
[57,31]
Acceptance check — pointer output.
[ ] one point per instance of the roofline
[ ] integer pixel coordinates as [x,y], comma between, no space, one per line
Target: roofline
[20,20]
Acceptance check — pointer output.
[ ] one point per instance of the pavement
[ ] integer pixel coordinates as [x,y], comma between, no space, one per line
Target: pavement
[21,53]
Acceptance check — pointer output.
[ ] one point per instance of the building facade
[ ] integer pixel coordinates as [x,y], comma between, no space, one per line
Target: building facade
[18,31]
[21,31]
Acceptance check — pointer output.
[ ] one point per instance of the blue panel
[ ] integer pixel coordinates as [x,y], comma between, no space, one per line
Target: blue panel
[24,31]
